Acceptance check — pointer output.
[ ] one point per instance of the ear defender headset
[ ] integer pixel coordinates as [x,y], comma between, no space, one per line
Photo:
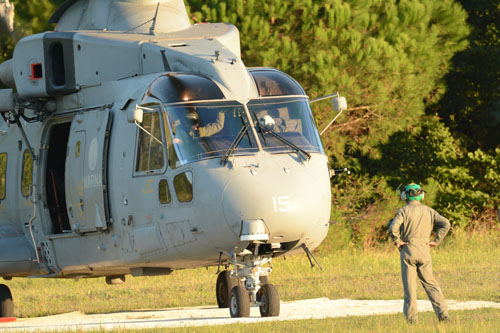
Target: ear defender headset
[412,192]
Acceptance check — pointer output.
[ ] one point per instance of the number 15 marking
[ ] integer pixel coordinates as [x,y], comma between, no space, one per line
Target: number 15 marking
[281,204]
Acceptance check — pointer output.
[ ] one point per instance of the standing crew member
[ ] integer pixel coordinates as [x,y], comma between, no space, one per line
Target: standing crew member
[410,231]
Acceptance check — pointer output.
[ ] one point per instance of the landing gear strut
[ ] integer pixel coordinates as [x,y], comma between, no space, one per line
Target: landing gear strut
[6,304]
[248,285]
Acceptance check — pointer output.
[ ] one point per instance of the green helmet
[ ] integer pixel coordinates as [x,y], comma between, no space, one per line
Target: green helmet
[413,192]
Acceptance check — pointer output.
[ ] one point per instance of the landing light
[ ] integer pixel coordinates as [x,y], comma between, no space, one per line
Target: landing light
[253,230]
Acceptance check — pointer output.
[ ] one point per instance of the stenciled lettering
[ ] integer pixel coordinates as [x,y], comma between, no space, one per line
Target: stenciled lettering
[92,181]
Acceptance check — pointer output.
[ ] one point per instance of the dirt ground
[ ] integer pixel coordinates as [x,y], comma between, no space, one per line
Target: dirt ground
[211,315]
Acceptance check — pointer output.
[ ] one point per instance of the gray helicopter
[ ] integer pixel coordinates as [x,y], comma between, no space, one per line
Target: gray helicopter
[132,142]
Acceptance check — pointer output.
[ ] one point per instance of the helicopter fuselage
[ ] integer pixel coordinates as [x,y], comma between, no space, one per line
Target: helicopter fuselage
[106,195]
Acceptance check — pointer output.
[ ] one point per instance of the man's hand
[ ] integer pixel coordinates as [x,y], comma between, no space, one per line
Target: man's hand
[432,244]
[400,245]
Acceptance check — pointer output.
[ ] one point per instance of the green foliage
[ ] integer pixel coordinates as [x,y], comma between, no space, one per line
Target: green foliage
[484,18]
[27,175]
[470,108]
[462,184]
[471,103]
[30,17]
[3,174]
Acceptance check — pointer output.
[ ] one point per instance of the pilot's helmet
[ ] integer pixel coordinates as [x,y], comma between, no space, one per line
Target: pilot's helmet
[192,117]
[267,121]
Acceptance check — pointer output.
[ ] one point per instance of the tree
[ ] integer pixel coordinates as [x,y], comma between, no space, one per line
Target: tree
[30,17]
[470,106]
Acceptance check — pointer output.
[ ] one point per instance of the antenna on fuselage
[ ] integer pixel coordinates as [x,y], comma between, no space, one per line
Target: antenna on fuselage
[153,26]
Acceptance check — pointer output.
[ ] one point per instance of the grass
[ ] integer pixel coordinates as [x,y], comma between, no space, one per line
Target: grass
[467,267]
[484,320]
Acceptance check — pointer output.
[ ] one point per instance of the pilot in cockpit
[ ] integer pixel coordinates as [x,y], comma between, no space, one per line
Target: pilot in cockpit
[190,126]
[278,120]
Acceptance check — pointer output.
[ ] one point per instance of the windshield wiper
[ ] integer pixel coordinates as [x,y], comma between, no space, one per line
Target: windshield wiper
[234,144]
[267,130]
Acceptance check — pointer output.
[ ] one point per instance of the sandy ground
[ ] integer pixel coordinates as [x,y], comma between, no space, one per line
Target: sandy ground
[210,315]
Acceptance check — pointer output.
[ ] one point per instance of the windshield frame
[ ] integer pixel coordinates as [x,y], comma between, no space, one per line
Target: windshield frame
[253,135]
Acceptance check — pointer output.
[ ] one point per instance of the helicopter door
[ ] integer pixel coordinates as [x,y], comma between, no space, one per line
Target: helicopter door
[85,176]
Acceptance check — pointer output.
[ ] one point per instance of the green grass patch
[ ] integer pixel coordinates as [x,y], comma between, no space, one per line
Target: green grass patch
[477,321]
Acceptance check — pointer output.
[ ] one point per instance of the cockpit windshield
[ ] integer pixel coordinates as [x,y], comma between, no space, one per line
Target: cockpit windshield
[201,124]
[205,130]
[290,121]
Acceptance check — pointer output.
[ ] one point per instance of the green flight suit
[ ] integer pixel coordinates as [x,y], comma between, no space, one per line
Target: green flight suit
[413,224]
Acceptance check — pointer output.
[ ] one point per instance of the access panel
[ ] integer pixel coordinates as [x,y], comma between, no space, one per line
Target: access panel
[85,178]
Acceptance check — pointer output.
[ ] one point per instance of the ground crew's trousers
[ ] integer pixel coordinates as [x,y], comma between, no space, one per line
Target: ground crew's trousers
[422,267]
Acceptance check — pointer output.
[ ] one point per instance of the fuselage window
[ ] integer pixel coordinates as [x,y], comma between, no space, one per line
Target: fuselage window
[27,175]
[3,174]
[150,149]
[183,184]
[77,149]
[164,192]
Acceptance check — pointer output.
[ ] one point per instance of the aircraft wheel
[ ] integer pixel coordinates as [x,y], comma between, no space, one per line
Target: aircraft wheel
[6,304]
[264,279]
[270,301]
[225,283]
[239,302]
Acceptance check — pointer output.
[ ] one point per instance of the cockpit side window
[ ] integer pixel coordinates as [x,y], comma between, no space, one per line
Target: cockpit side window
[271,82]
[27,175]
[3,175]
[150,155]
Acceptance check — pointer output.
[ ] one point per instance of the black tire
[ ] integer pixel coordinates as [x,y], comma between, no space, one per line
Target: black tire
[270,301]
[239,302]
[225,283]
[6,303]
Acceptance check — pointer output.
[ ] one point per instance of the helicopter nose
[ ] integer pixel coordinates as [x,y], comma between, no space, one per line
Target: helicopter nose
[291,205]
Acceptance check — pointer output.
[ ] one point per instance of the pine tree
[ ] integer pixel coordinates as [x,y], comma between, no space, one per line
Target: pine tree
[30,17]
[471,104]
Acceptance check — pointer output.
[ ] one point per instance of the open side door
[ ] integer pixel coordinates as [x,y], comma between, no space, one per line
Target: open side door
[86,171]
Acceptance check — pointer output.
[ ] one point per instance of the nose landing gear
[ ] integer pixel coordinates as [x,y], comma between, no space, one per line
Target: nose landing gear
[248,285]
